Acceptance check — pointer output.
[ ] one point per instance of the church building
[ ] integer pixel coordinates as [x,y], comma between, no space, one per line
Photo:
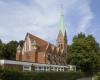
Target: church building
[38,50]
[37,54]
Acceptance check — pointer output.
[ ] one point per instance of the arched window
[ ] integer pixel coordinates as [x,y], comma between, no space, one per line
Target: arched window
[34,43]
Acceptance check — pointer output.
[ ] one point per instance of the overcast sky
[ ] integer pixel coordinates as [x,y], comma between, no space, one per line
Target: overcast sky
[41,18]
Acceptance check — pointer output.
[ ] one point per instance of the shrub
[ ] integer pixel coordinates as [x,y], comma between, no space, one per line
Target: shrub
[16,75]
[97,77]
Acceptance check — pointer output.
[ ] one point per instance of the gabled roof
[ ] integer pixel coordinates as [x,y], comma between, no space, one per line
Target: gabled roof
[42,44]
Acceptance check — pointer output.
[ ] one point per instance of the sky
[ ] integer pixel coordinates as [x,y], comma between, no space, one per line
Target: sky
[42,18]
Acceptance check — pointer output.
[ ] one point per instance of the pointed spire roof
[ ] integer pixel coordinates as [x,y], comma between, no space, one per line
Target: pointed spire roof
[62,25]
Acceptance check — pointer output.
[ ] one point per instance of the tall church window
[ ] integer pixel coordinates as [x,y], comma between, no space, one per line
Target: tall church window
[34,43]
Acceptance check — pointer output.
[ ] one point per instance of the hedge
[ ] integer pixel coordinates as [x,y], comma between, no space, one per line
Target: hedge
[16,75]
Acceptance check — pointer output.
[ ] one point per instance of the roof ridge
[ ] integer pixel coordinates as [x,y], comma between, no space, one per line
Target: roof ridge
[37,37]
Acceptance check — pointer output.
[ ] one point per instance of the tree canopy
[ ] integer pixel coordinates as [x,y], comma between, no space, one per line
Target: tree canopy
[8,50]
[84,52]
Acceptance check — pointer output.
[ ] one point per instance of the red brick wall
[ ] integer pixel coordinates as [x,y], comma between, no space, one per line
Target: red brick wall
[41,57]
[13,66]
[30,57]
[18,56]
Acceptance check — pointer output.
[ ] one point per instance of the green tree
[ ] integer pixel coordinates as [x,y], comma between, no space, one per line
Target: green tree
[83,52]
[97,68]
[9,50]
[1,49]
[21,43]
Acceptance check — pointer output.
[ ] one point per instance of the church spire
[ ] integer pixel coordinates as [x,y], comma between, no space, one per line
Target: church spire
[61,24]
[62,37]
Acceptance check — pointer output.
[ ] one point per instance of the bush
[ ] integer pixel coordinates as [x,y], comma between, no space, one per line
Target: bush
[9,74]
[97,77]
[16,75]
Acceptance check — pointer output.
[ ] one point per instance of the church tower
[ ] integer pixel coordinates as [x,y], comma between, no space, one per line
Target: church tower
[62,40]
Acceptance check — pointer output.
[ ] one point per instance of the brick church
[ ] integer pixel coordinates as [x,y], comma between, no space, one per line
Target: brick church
[38,50]
[37,54]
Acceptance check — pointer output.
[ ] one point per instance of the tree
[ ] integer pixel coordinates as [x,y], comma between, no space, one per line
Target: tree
[82,52]
[1,49]
[9,51]
[21,43]
[97,68]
